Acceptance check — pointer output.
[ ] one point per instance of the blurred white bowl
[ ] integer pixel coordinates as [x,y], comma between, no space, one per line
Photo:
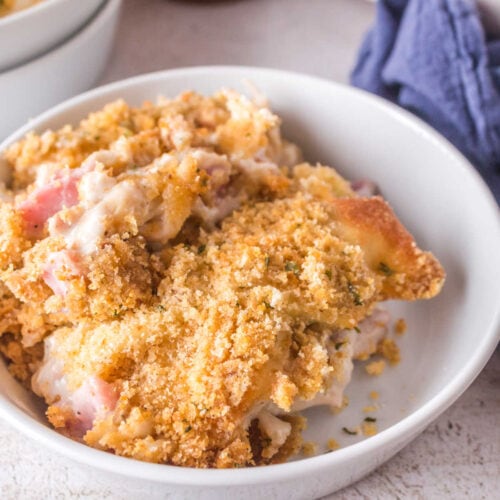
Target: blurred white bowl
[70,68]
[28,33]
[449,338]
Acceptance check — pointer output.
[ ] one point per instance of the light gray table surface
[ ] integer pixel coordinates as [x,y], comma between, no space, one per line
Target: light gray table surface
[458,456]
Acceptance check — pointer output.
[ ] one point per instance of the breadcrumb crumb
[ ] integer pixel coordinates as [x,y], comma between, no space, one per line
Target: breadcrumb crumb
[369,428]
[375,368]
[389,350]
[332,444]
[309,448]
[400,326]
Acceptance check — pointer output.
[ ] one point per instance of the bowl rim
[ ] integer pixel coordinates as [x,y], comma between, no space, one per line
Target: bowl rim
[408,426]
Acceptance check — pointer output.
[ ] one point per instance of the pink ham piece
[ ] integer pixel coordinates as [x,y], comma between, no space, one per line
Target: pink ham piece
[57,192]
[46,201]
[66,261]
[94,397]
[365,188]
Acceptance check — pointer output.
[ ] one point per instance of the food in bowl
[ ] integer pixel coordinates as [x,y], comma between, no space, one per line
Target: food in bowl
[11,6]
[177,284]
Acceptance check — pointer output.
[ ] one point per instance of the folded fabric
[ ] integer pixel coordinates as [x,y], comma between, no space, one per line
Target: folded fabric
[432,58]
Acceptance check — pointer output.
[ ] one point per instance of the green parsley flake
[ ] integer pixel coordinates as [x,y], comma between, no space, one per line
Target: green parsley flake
[355,294]
[349,431]
[293,267]
[384,268]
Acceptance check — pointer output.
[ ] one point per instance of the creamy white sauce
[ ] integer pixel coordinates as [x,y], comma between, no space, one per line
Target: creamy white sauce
[274,428]
[45,173]
[49,381]
[212,215]
[372,331]
[94,186]
[123,199]
[334,395]
[213,163]
[257,169]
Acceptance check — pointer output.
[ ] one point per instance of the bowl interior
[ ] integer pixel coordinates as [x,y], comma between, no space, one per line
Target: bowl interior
[432,189]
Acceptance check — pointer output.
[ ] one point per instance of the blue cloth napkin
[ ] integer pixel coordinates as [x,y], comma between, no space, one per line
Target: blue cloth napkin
[432,58]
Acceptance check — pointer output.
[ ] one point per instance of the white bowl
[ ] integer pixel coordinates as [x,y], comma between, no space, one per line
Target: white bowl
[435,192]
[28,33]
[69,69]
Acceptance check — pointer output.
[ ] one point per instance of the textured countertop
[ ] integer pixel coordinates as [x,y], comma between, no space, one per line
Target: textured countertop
[458,456]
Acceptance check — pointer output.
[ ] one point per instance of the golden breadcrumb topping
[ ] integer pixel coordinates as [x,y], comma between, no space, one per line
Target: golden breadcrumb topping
[177,280]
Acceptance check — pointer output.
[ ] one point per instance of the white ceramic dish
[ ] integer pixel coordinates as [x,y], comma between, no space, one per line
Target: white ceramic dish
[69,69]
[440,198]
[28,33]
